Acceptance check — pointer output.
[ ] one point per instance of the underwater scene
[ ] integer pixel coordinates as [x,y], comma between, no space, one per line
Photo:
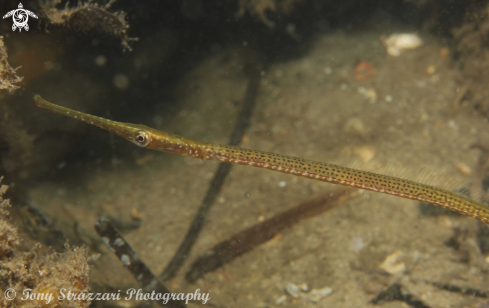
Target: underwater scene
[244,153]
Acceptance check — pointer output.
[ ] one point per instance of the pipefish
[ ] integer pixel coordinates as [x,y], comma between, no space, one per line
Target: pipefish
[150,138]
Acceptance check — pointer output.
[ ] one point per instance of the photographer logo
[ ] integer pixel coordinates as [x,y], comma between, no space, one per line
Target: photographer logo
[20,18]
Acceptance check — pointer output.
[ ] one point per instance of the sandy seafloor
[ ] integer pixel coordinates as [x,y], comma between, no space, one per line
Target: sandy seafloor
[309,107]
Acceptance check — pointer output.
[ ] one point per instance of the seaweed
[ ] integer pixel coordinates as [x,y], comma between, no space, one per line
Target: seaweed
[86,17]
[395,293]
[253,70]
[124,252]
[8,76]
[249,238]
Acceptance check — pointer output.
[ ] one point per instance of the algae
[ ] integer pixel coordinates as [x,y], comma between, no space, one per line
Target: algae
[44,275]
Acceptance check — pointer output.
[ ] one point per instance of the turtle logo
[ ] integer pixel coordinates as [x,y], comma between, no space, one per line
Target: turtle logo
[20,18]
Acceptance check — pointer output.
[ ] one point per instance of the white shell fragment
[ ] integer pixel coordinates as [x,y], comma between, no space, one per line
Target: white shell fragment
[281,300]
[302,291]
[292,290]
[396,43]
[391,264]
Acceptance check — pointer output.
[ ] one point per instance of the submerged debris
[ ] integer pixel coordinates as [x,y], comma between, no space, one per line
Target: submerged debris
[363,71]
[396,43]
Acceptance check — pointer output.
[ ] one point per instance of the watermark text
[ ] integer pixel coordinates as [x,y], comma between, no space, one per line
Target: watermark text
[130,294]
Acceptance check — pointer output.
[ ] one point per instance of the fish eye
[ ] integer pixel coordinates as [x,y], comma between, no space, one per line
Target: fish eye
[141,138]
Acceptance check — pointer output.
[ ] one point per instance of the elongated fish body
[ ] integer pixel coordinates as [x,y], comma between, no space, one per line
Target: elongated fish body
[161,141]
